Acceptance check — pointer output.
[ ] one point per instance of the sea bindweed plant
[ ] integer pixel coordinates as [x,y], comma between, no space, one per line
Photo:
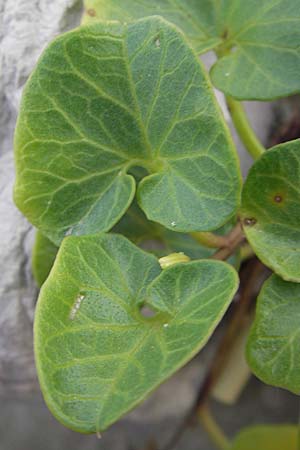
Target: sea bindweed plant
[119,129]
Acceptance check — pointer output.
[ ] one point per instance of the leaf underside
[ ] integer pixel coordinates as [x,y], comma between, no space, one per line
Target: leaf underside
[267,437]
[43,257]
[264,37]
[97,354]
[273,348]
[108,97]
[270,209]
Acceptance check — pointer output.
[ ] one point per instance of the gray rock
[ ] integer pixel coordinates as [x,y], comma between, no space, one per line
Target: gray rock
[26,27]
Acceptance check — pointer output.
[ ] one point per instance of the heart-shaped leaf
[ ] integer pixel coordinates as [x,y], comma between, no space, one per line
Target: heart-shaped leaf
[257,40]
[43,257]
[108,97]
[273,348]
[267,437]
[196,18]
[97,355]
[271,209]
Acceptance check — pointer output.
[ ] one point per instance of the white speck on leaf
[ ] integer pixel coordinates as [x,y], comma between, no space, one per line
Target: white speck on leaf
[165,325]
[157,42]
[227,74]
[69,231]
[173,224]
[76,306]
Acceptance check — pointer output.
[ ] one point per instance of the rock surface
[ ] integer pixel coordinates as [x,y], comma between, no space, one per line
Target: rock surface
[26,26]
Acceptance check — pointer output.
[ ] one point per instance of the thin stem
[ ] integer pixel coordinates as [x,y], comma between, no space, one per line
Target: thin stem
[233,240]
[212,428]
[250,282]
[246,252]
[244,129]
[208,239]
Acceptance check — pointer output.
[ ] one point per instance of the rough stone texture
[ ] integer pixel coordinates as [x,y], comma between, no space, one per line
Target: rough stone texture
[26,26]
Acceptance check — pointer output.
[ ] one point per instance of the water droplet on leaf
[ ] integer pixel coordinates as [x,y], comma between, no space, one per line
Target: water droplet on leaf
[69,231]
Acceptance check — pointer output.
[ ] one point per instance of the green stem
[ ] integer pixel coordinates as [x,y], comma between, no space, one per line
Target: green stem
[209,239]
[212,428]
[244,129]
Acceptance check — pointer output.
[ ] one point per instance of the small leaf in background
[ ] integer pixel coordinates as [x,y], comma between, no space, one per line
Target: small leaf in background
[271,209]
[267,437]
[273,349]
[155,238]
[262,36]
[97,354]
[158,240]
[196,18]
[43,257]
[104,99]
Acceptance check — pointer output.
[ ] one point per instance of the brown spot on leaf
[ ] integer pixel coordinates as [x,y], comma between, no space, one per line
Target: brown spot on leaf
[249,221]
[278,198]
[91,12]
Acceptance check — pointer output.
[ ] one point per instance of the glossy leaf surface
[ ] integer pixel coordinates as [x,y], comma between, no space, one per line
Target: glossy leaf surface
[257,40]
[97,354]
[108,97]
[271,209]
[274,342]
[267,437]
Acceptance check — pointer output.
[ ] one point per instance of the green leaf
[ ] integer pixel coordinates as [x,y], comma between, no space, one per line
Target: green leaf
[271,209]
[43,257]
[109,97]
[273,348]
[97,355]
[197,23]
[267,437]
[257,40]
[153,237]
[264,36]
[161,241]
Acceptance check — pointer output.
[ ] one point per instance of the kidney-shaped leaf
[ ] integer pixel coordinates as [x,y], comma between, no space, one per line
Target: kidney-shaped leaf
[263,36]
[97,354]
[271,209]
[107,97]
[273,348]
[197,18]
[267,437]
